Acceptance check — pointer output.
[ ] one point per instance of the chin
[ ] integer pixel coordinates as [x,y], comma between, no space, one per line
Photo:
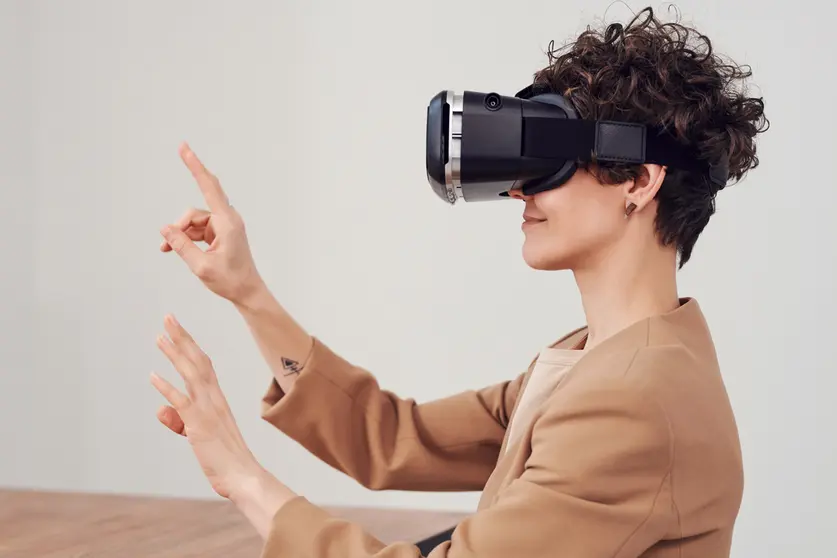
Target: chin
[541,259]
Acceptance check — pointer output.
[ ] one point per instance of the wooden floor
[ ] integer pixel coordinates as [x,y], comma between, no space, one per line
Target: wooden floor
[66,525]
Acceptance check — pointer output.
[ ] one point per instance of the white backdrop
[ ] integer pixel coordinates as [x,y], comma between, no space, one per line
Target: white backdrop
[312,114]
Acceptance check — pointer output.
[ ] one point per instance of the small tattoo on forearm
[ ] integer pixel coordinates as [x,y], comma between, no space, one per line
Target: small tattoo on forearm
[290,366]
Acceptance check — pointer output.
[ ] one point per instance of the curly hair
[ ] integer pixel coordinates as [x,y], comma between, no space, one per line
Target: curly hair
[665,75]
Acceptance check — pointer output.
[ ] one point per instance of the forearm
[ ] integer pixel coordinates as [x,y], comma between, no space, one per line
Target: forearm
[283,343]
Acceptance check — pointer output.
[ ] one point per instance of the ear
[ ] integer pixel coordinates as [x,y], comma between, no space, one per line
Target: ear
[643,189]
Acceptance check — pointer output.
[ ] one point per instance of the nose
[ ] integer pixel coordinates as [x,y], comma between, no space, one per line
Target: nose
[518,194]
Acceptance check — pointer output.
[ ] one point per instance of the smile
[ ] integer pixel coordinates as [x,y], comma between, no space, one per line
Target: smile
[528,223]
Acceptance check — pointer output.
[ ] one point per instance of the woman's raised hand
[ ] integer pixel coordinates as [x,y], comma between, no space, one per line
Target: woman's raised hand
[226,267]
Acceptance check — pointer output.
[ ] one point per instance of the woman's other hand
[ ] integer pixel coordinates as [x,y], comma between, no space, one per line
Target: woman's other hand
[203,416]
[226,267]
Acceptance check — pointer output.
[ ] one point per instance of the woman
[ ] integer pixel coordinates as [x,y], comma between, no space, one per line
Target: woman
[617,441]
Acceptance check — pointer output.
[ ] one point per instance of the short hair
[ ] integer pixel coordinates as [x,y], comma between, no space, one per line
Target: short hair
[666,75]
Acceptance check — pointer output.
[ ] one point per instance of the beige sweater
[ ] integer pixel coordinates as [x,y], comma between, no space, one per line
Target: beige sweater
[634,453]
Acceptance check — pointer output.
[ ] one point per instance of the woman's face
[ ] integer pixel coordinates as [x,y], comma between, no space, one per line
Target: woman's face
[573,225]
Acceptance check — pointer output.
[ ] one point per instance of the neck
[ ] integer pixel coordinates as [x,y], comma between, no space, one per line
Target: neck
[626,287]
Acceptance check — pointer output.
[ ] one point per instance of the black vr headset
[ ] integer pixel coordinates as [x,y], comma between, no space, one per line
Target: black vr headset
[481,145]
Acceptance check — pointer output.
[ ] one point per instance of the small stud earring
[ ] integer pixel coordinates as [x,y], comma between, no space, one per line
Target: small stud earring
[629,209]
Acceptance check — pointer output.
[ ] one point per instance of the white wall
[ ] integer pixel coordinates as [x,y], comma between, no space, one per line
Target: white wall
[17,230]
[312,114]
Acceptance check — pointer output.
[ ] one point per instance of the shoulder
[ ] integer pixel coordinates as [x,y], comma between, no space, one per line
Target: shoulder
[663,369]
[667,356]
[631,395]
[671,378]
[613,394]
[649,397]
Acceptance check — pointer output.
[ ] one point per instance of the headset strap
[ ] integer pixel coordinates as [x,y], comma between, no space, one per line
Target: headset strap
[607,140]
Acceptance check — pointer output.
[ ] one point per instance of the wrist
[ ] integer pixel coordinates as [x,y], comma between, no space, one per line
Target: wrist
[253,296]
[259,496]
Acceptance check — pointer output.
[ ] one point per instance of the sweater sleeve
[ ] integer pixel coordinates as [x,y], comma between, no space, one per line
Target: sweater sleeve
[338,412]
[596,484]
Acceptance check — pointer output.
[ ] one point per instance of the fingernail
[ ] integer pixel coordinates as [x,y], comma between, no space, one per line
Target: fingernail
[164,230]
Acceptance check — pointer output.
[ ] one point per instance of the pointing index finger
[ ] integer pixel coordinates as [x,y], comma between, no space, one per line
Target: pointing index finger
[214,195]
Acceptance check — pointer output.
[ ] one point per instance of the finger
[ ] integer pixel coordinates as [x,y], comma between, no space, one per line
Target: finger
[205,233]
[197,234]
[181,363]
[214,195]
[171,420]
[204,373]
[192,217]
[194,234]
[187,345]
[178,399]
[208,233]
[181,338]
[188,251]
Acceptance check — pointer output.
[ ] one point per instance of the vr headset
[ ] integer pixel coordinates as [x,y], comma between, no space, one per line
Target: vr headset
[482,145]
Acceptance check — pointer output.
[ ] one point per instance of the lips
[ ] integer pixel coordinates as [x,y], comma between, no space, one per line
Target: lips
[529,222]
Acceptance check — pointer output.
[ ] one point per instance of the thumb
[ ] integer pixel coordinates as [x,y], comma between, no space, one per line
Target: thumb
[171,420]
[183,245]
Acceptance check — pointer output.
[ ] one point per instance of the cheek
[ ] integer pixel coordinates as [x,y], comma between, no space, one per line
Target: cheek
[574,217]
[575,228]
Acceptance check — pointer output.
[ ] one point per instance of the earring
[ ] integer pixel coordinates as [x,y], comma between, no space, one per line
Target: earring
[629,209]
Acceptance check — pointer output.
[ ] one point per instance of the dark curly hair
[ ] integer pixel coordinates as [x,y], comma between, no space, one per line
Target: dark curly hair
[666,75]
